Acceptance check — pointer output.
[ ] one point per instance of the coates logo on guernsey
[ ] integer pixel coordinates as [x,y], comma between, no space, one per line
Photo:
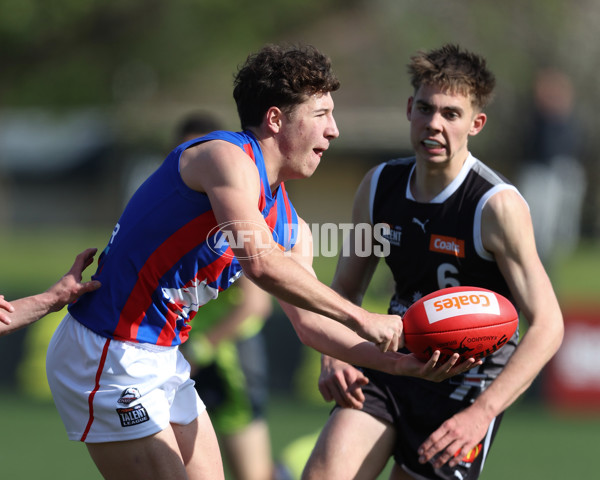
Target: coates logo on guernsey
[448,245]
[237,233]
[461,303]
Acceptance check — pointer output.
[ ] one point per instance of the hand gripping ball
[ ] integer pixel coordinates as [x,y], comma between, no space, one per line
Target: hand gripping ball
[471,321]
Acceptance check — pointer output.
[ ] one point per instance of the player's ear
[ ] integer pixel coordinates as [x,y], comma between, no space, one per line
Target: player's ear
[409,106]
[274,118]
[478,123]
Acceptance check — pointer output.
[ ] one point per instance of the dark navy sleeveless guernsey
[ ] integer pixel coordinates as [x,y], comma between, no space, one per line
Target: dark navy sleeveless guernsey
[437,244]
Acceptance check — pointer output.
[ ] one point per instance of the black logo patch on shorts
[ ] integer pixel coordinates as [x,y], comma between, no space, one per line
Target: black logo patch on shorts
[132,415]
[129,395]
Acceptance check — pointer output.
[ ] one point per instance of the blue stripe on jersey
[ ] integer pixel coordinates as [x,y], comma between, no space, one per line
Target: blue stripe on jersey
[157,268]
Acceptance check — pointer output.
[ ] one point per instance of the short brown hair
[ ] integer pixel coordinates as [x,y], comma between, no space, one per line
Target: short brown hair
[280,76]
[453,69]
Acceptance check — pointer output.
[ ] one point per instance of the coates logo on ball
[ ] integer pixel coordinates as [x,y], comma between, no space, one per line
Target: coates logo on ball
[471,321]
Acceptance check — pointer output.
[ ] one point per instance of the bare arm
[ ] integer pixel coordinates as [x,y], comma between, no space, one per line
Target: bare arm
[30,309]
[232,183]
[324,334]
[340,381]
[5,306]
[508,234]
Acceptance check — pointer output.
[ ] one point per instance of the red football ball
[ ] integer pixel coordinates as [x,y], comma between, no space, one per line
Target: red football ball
[471,321]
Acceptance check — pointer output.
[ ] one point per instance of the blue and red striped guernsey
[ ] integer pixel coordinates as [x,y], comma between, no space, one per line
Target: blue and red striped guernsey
[166,258]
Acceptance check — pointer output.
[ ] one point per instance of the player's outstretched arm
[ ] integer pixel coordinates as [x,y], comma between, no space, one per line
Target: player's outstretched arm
[232,184]
[69,288]
[341,348]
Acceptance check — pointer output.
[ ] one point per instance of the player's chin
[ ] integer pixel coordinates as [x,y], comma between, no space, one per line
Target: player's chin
[436,160]
[438,155]
[311,166]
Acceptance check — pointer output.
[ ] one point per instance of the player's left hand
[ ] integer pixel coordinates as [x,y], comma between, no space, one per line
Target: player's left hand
[433,370]
[341,382]
[4,305]
[455,438]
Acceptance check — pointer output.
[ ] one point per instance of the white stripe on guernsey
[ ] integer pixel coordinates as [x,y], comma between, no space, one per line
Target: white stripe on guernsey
[409,194]
[373,188]
[481,251]
[486,443]
[190,298]
[451,187]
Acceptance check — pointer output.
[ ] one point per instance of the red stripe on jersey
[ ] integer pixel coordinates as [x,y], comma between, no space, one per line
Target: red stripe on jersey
[288,211]
[210,273]
[271,218]
[262,201]
[271,221]
[249,151]
[167,334]
[160,262]
[96,388]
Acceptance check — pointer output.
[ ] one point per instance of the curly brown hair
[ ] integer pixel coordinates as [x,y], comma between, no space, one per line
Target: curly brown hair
[455,70]
[281,76]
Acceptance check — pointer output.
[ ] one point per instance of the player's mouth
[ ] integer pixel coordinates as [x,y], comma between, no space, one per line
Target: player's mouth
[432,144]
[319,151]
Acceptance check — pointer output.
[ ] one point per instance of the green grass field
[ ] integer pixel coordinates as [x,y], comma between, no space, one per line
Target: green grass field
[533,443]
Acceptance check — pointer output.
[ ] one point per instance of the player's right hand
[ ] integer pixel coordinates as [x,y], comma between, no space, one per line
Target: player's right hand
[70,287]
[385,331]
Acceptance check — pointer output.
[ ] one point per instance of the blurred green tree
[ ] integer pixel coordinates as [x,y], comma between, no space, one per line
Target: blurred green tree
[66,53]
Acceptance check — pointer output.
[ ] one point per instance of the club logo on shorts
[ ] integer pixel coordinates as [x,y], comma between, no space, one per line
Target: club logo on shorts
[129,395]
[131,416]
[471,456]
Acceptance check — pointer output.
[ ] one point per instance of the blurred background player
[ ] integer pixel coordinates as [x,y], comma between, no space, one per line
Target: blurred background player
[228,357]
[552,177]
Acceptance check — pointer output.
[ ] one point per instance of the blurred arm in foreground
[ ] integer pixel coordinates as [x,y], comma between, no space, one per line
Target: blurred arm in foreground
[24,311]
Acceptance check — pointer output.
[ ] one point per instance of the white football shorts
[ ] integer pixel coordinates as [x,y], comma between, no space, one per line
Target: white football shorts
[106,390]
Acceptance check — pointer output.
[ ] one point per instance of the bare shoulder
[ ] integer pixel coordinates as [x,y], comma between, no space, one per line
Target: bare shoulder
[216,162]
[505,204]
[505,220]
[216,153]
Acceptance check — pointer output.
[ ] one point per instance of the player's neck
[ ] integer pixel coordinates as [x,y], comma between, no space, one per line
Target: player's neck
[429,180]
[273,162]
